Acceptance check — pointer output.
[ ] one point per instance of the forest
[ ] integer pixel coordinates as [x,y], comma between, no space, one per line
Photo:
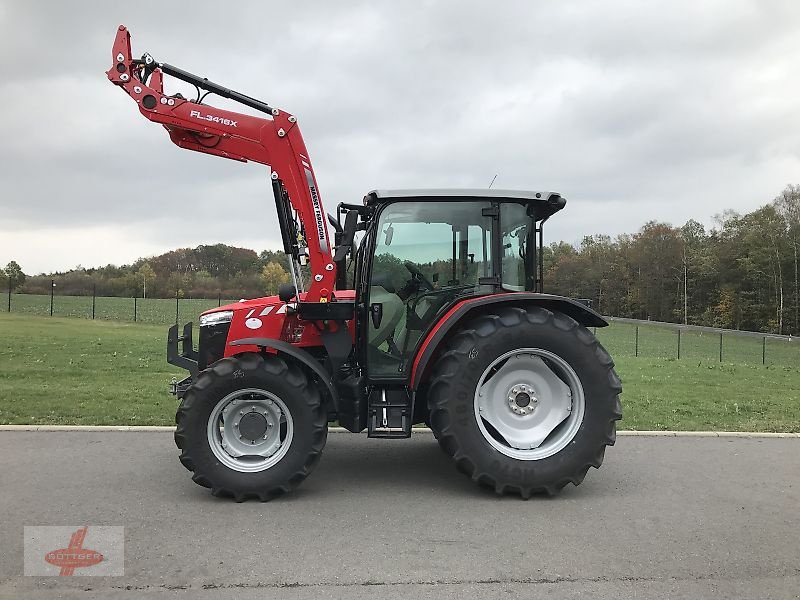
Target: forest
[741,273]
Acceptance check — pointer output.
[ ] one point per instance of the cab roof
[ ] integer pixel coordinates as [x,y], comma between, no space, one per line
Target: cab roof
[546,203]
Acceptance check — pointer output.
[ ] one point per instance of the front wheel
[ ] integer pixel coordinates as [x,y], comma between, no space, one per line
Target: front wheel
[251,427]
[524,400]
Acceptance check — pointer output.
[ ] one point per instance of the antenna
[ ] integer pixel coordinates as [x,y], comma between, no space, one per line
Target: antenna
[493,178]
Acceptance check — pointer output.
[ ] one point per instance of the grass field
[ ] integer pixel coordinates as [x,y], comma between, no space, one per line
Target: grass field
[70,371]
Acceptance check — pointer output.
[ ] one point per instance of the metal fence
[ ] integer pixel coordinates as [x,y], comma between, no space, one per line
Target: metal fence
[623,338]
[159,311]
[649,339]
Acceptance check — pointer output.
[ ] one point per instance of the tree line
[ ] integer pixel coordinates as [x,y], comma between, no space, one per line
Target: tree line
[206,271]
[742,273]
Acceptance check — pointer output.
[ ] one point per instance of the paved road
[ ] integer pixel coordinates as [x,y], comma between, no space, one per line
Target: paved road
[664,517]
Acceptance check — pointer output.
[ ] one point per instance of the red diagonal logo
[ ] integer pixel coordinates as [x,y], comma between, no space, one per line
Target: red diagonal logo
[74,555]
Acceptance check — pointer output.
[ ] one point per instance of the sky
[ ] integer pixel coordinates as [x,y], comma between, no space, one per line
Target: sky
[633,111]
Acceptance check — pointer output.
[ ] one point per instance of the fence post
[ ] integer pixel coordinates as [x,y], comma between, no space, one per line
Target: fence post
[134,309]
[219,298]
[679,344]
[94,297]
[764,350]
[720,346]
[636,350]
[177,300]
[52,292]
[9,294]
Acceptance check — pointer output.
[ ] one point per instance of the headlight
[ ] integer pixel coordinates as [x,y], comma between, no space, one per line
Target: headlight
[215,318]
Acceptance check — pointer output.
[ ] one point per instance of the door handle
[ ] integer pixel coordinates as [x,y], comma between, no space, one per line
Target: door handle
[376,309]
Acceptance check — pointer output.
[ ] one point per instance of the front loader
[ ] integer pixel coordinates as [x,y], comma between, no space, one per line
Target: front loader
[425,306]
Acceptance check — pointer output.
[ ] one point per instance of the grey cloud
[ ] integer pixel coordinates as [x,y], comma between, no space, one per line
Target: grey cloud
[631,110]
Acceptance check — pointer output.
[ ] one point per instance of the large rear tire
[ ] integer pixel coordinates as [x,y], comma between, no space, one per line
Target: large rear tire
[524,400]
[251,427]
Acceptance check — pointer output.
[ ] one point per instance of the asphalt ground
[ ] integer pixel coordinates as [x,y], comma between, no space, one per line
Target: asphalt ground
[664,517]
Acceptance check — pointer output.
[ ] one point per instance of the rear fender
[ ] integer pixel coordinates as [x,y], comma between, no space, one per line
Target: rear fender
[474,306]
[299,355]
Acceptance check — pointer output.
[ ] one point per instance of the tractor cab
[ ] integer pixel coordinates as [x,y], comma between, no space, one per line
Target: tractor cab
[426,249]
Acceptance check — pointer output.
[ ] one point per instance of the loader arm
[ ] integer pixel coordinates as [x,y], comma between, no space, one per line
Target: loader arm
[274,141]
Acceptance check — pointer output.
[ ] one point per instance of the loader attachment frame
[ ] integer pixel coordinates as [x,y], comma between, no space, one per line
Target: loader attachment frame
[274,140]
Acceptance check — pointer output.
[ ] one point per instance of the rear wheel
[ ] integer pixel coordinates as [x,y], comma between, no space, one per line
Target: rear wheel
[251,427]
[524,400]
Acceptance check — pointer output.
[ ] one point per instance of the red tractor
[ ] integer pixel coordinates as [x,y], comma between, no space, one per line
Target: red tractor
[443,322]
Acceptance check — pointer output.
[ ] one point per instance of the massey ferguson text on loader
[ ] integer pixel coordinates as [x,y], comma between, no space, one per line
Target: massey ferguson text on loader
[425,306]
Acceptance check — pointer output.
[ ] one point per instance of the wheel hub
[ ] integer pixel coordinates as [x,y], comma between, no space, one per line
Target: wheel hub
[252,425]
[250,430]
[522,400]
[529,403]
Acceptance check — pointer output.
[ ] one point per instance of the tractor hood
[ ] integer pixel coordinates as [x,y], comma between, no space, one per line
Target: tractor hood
[247,305]
[271,318]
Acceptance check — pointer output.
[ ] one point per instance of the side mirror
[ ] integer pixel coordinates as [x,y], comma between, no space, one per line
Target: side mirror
[286,291]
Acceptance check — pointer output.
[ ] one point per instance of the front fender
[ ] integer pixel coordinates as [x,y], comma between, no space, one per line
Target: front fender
[473,306]
[300,355]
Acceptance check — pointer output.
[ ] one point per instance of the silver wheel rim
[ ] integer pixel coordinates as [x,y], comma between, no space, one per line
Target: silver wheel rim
[234,430]
[529,404]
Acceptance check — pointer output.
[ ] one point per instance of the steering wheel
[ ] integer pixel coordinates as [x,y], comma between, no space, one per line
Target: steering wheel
[417,274]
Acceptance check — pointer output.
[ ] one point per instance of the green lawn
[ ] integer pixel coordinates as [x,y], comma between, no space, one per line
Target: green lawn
[73,371]
[666,394]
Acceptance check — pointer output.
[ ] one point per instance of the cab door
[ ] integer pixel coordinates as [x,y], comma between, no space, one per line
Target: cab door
[426,255]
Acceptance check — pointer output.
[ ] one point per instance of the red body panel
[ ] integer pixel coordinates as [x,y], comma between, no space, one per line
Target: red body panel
[276,142]
[442,321]
[272,318]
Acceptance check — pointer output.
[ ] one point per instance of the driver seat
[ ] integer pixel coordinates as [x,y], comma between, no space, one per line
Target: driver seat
[392,313]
